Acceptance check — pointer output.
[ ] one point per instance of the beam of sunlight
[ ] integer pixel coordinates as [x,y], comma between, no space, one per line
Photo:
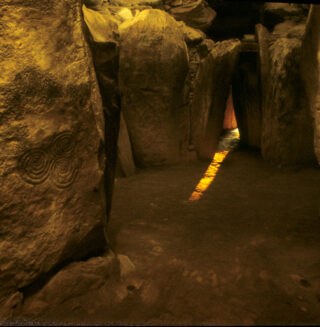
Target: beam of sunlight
[209,175]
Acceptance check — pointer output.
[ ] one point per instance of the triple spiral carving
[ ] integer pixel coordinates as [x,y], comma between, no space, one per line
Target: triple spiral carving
[56,161]
[35,166]
[63,145]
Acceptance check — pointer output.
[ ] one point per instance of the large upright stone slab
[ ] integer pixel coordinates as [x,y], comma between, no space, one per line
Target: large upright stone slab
[287,133]
[103,36]
[52,161]
[153,68]
[310,69]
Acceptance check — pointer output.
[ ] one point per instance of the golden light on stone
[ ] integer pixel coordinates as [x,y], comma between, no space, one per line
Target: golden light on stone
[125,14]
[209,175]
[229,121]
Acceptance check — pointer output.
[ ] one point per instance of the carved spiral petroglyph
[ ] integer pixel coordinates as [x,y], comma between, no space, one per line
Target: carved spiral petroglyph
[56,160]
[64,172]
[34,166]
[63,145]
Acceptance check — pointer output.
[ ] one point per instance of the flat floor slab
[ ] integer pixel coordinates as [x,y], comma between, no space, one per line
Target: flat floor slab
[246,253]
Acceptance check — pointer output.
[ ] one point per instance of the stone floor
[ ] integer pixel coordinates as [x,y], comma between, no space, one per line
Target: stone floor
[246,253]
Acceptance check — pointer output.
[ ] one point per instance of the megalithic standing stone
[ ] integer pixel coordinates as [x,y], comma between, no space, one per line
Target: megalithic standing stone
[52,206]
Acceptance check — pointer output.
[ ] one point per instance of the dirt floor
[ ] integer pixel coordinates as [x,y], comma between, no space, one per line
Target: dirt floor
[247,252]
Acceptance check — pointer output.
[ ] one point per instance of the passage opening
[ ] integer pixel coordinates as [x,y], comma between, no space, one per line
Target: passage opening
[229,140]
[229,121]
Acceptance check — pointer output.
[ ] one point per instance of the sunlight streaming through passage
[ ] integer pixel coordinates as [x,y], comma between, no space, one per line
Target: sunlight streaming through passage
[209,175]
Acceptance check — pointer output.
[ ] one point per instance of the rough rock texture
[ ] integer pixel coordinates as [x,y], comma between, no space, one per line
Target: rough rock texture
[153,67]
[195,13]
[275,13]
[166,92]
[289,29]
[94,291]
[103,36]
[192,36]
[310,68]
[130,3]
[287,135]
[102,26]
[247,99]
[52,204]
[210,93]
[66,294]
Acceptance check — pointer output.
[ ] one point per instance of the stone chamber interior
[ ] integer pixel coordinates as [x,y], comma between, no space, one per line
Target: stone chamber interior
[159,162]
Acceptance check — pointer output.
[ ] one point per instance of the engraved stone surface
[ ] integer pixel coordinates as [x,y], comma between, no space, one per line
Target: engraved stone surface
[52,206]
[56,161]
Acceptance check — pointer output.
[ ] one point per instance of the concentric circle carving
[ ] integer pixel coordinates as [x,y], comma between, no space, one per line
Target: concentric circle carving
[56,159]
[64,171]
[63,145]
[34,166]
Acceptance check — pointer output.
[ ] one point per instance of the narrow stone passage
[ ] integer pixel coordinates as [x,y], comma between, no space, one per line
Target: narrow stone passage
[247,252]
[150,97]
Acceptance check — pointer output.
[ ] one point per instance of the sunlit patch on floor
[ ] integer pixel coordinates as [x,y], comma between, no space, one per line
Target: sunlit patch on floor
[227,143]
[209,175]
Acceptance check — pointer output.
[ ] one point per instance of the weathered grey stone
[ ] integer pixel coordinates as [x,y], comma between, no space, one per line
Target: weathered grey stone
[52,162]
[102,26]
[287,136]
[192,36]
[210,95]
[289,29]
[103,36]
[195,13]
[277,12]
[310,69]
[283,9]
[70,287]
[153,67]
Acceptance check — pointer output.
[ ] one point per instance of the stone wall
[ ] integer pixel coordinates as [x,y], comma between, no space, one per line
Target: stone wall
[310,70]
[287,136]
[52,200]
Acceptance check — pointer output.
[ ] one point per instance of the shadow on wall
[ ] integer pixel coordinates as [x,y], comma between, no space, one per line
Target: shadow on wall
[246,96]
